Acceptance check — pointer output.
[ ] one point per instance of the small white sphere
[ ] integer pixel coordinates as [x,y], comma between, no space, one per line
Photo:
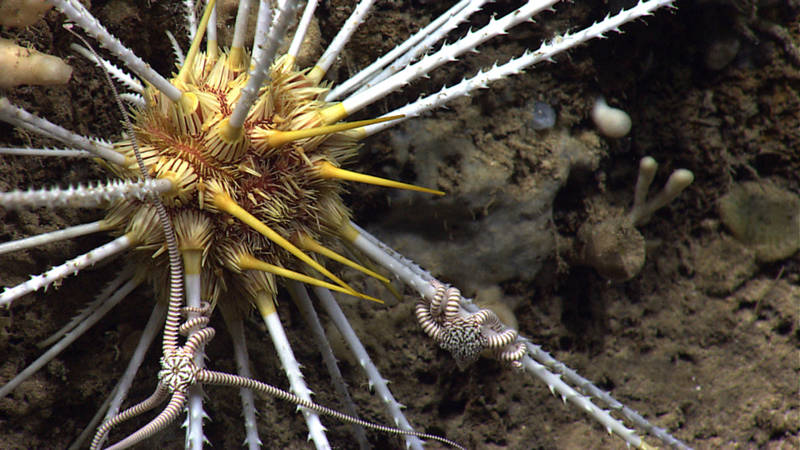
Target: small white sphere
[612,122]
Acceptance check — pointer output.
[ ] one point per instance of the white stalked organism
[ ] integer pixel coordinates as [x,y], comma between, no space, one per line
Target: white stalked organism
[27,66]
[231,192]
[612,122]
[611,243]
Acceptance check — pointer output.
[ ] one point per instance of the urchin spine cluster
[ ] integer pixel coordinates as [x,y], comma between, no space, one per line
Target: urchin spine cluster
[180,107]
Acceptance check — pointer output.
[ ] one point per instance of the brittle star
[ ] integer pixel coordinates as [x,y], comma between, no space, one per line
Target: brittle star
[466,335]
[179,373]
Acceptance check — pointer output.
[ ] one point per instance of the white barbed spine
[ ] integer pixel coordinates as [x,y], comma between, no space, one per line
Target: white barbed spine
[242,17]
[261,66]
[316,430]
[70,337]
[446,54]
[18,116]
[263,23]
[71,267]
[366,73]
[133,99]
[77,13]
[302,28]
[516,65]
[180,57]
[376,381]
[400,266]
[191,18]
[195,438]
[211,30]
[121,76]
[113,285]
[588,388]
[113,402]
[57,152]
[233,321]
[51,236]
[568,394]
[418,50]
[425,284]
[342,37]
[84,196]
[301,298]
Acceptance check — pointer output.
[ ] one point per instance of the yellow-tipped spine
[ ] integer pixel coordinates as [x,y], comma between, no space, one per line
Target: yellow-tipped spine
[276,138]
[329,171]
[188,63]
[225,203]
[308,243]
[248,262]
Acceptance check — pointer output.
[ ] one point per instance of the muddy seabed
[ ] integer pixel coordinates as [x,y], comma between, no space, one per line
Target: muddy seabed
[704,341]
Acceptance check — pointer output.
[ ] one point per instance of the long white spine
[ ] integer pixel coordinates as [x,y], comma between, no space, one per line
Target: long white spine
[21,118]
[358,79]
[303,301]
[77,13]
[151,330]
[240,27]
[191,18]
[180,57]
[446,54]
[71,267]
[135,100]
[516,65]
[57,152]
[121,76]
[211,28]
[113,403]
[233,321]
[51,236]
[302,28]
[112,286]
[70,337]
[259,72]
[420,279]
[194,421]
[539,355]
[315,429]
[376,381]
[420,49]
[403,268]
[262,29]
[84,196]
[568,394]
[343,36]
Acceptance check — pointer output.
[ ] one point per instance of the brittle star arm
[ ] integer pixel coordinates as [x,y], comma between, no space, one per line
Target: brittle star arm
[431,290]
